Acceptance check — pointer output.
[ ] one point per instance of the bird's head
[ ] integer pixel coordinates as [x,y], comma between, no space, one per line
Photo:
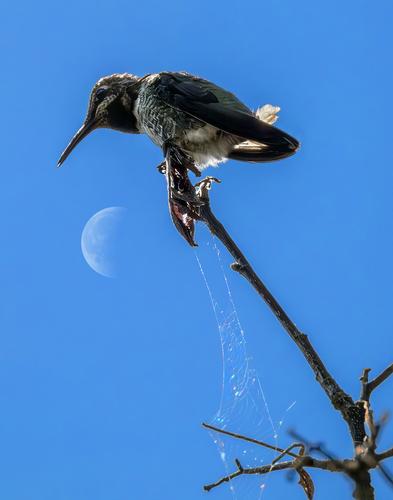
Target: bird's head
[110,106]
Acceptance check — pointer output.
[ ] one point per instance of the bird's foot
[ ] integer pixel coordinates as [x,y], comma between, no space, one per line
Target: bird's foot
[188,199]
[185,206]
[179,156]
[191,166]
[185,200]
[202,187]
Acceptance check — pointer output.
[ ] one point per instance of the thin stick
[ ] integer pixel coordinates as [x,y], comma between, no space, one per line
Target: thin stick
[287,451]
[364,396]
[248,439]
[305,461]
[380,379]
[384,455]
[265,469]
[369,386]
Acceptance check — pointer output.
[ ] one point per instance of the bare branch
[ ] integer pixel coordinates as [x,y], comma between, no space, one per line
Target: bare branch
[352,413]
[305,461]
[364,381]
[249,440]
[287,451]
[384,455]
[369,387]
[381,378]
[363,487]
[265,469]
[194,202]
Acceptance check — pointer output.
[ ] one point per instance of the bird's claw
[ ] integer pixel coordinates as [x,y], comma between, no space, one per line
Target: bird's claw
[202,187]
[191,166]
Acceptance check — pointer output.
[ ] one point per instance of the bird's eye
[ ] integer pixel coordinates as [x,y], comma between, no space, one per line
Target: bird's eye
[101,93]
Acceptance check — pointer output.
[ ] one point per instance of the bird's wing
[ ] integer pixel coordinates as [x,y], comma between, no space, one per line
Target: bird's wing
[222,109]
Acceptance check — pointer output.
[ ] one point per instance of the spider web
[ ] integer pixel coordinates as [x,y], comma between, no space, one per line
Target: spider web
[243,407]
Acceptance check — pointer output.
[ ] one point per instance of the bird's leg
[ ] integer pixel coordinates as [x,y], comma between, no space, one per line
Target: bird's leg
[187,162]
[191,166]
[182,198]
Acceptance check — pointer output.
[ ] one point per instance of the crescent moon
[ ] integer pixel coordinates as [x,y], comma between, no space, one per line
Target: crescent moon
[99,240]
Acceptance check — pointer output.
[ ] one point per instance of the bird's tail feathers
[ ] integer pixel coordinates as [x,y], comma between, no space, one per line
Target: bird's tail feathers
[256,152]
[268,113]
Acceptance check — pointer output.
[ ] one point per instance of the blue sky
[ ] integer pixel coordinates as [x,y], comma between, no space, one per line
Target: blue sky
[104,382]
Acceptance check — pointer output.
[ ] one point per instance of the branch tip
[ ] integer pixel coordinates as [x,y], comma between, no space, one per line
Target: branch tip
[249,440]
[237,267]
[239,465]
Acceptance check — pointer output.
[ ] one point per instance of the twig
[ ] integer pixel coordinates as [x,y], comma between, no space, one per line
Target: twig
[384,455]
[248,439]
[381,378]
[352,413]
[265,469]
[366,390]
[287,452]
[317,447]
[364,381]
[305,461]
[369,387]
[356,469]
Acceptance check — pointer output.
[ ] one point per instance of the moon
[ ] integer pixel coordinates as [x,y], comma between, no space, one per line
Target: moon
[101,240]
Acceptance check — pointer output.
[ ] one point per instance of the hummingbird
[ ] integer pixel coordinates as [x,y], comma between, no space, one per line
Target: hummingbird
[195,122]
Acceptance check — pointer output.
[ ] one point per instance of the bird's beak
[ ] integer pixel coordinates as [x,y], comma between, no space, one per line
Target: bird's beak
[85,130]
